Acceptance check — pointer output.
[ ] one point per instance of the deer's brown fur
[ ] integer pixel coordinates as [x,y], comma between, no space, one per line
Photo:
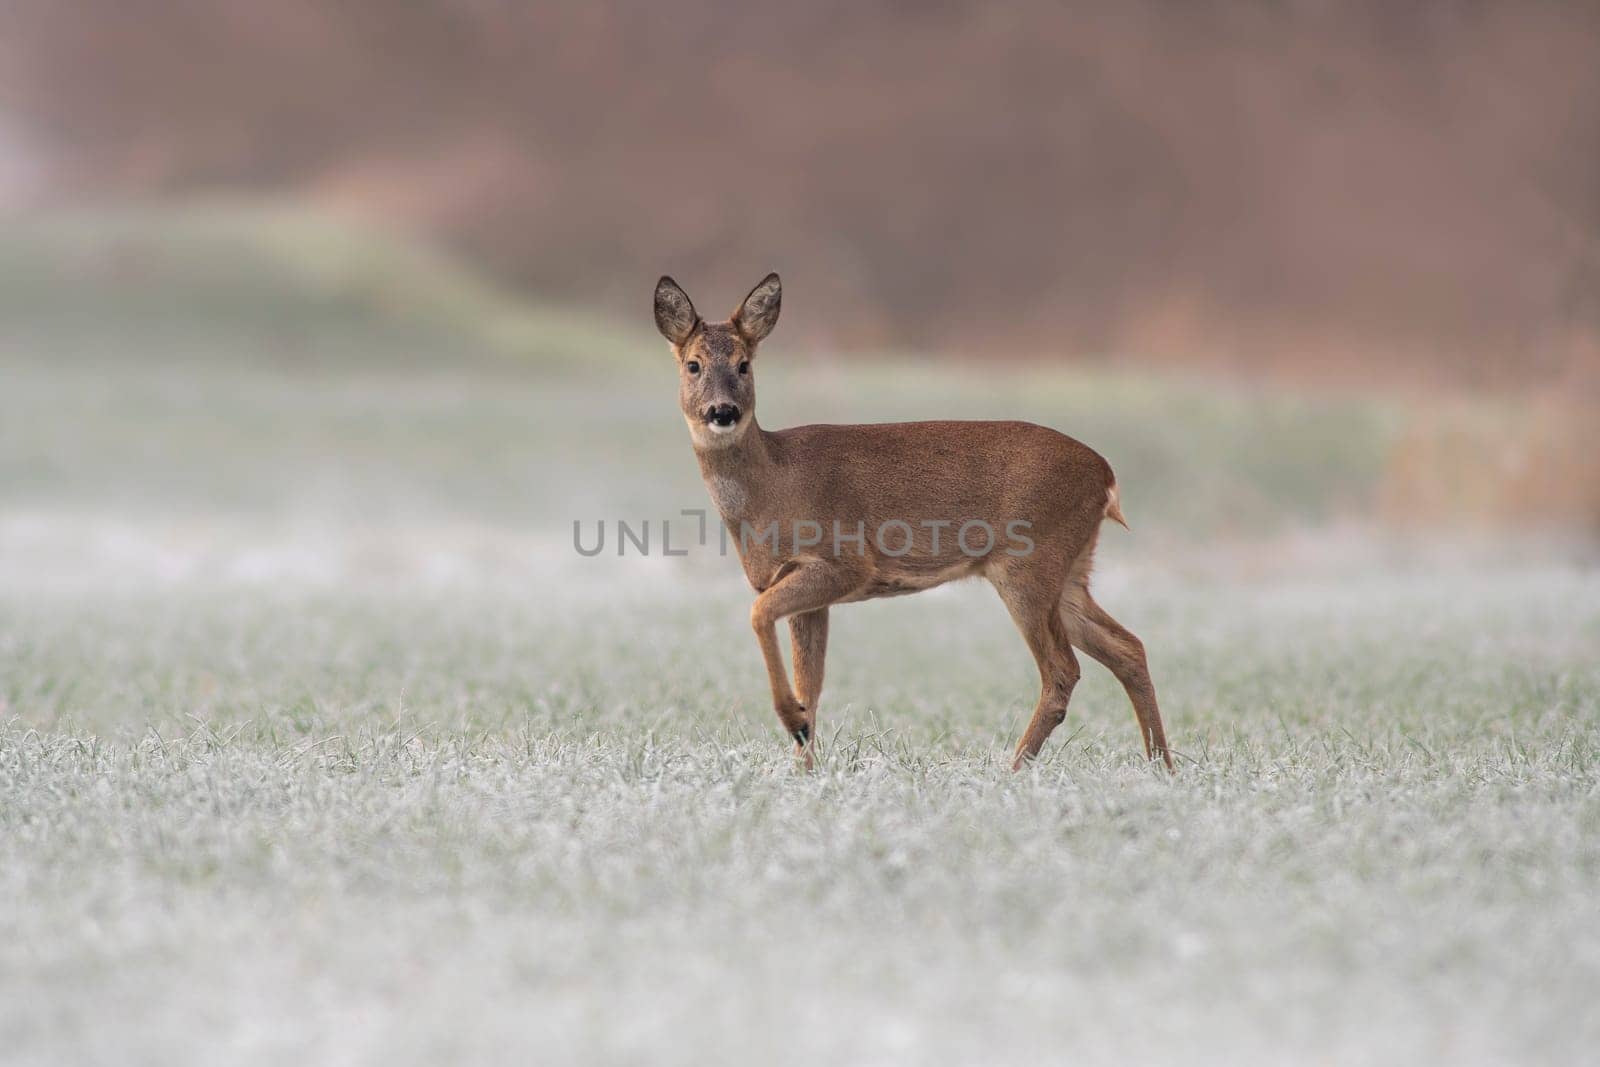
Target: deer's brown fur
[931,477]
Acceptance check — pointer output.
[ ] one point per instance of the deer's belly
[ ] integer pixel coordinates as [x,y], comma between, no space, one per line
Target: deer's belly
[903,581]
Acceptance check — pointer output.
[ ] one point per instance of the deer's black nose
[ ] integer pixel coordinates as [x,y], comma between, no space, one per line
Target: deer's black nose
[722,414]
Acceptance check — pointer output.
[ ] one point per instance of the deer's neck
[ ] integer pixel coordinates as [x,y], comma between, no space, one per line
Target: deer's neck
[736,474]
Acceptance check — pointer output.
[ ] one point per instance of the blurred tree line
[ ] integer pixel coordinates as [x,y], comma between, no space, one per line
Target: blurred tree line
[1299,187]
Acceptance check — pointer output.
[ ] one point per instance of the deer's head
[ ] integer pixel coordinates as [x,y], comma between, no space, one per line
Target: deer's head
[716,385]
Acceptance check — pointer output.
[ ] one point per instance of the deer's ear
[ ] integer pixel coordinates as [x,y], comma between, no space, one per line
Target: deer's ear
[759,313]
[676,317]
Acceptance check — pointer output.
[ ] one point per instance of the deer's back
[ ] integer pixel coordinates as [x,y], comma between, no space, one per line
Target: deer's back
[940,470]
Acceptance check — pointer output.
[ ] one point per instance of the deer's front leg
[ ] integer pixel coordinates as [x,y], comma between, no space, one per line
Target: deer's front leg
[808,638]
[810,586]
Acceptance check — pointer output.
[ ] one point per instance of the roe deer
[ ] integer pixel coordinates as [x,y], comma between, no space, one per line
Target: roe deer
[900,500]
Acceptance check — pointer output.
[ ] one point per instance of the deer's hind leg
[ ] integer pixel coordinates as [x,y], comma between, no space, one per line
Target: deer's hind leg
[1031,589]
[1108,641]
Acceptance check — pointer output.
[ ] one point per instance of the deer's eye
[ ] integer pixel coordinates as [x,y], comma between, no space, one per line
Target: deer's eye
[744,366]
[694,366]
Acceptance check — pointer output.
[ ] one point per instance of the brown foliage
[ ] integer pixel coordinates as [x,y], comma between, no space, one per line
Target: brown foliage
[1526,467]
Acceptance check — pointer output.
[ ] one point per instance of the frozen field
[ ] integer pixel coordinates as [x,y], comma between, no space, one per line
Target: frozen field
[319,744]
[249,822]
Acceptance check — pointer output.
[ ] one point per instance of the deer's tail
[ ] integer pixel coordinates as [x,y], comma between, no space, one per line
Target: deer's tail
[1114,505]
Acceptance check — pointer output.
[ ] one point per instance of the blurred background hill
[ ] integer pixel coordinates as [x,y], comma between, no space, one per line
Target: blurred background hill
[1310,190]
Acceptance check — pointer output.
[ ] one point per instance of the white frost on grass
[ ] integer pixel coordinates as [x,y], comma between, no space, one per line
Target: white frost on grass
[406,824]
